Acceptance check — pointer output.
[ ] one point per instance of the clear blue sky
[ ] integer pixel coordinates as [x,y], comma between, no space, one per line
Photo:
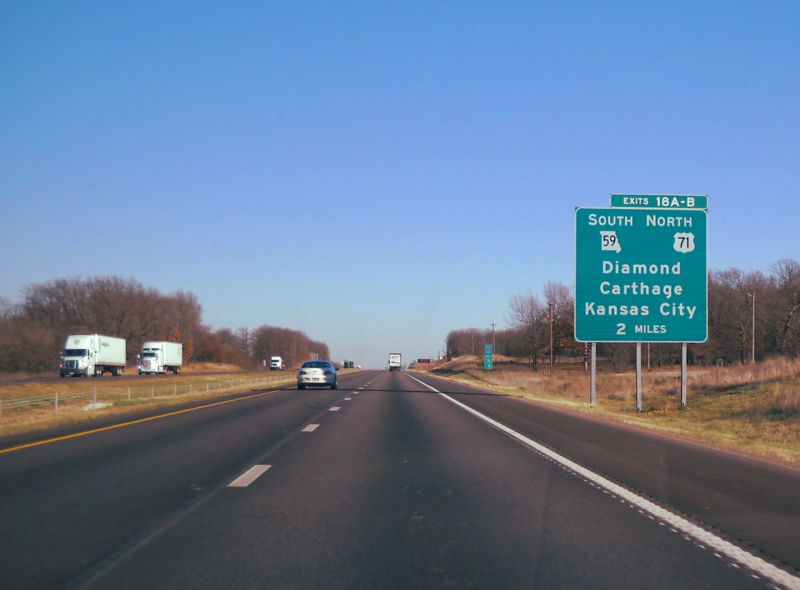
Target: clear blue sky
[378,174]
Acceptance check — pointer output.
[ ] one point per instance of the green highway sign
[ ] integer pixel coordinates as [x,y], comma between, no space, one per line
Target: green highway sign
[488,357]
[640,275]
[661,201]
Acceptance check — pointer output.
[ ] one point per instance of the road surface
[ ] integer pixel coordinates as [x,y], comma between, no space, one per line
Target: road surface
[388,483]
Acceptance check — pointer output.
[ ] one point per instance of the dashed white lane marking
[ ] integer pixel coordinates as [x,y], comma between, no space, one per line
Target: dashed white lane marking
[310,428]
[335,409]
[347,399]
[249,476]
[688,528]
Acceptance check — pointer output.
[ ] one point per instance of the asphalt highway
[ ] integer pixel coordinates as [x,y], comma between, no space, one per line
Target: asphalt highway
[392,481]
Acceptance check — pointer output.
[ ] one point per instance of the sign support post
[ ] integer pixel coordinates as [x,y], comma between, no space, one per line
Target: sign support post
[593,376]
[684,375]
[638,376]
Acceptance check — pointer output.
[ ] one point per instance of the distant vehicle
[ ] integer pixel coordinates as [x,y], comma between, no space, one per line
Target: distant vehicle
[348,364]
[161,357]
[395,361]
[276,363]
[317,374]
[92,354]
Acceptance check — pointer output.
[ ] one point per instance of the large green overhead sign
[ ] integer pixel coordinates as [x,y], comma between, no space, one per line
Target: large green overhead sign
[641,275]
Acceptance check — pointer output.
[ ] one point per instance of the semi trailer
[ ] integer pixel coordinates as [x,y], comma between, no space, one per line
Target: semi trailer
[92,354]
[161,357]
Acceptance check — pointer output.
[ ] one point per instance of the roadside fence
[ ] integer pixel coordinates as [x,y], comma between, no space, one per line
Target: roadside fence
[102,395]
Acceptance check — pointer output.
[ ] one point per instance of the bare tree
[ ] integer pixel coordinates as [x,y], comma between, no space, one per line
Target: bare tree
[527,316]
[7,309]
[471,341]
[786,274]
[560,304]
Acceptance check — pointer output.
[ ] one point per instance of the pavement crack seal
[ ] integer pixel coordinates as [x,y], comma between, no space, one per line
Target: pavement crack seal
[701,536]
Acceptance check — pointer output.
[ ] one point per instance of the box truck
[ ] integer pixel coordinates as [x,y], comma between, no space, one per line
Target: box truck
[160,357]
[276,363]
[395,361]
[92,354]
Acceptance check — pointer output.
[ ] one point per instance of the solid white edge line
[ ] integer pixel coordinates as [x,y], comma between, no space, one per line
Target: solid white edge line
[733,552]
[249,476]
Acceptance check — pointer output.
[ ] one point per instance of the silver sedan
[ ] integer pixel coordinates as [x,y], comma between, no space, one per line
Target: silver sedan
[316,373]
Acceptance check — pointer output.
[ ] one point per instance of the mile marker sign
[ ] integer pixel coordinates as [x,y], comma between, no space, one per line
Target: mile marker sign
[640,275]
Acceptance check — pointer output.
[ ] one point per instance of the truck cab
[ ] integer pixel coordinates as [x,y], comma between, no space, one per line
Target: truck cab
[76,362]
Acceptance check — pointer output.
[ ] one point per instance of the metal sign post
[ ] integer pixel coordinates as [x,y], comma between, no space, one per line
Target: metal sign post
[593,376]
[638,376]
[684,375]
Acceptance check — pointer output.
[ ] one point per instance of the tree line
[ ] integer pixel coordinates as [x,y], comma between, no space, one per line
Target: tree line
[735,299]
[32,332]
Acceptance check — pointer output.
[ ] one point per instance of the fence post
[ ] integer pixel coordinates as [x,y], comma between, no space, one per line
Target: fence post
[94,394]
[129,394]
[55,408]
[1,408]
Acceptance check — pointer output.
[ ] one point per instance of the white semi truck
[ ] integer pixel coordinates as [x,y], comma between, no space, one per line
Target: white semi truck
[161,357]
[92,354]
[395,361]
[276,363]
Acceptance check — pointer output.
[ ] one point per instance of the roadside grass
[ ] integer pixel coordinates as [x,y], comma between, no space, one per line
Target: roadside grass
[30,406]
[752,409]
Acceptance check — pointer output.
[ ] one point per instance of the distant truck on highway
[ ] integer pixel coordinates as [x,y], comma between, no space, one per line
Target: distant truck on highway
[395,361]
[276,363]
[160,358]
[92,354]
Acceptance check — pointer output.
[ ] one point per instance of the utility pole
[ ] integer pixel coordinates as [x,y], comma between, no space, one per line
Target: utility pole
[753,336]
[494,349]
[551,336]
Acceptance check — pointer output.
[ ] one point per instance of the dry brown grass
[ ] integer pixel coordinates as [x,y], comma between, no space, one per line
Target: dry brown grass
[28,406]
[753,409]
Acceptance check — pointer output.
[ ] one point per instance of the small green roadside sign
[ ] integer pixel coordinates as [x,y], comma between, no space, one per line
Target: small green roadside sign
[488,357]
[640,275]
